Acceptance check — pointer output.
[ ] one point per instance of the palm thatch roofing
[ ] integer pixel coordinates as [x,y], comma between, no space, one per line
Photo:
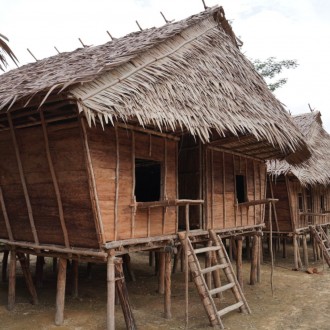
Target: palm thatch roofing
[187,75]
[316,169]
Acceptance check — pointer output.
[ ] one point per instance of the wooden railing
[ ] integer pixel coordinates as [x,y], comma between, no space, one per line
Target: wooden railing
[309,218]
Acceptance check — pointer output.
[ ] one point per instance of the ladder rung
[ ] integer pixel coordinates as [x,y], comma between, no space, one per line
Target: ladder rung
[230,308]
[221,289]
[213,268]
[207,249]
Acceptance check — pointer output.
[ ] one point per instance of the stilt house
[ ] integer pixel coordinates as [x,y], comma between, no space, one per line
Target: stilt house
[303,191]
[102,147]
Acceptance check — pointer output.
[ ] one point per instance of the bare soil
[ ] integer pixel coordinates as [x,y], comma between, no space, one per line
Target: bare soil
[300,301]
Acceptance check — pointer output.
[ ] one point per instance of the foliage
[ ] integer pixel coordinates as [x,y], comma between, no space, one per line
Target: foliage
[271,67]
[5,51]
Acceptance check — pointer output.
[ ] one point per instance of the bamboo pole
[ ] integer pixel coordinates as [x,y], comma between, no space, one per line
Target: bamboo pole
[55,181]
[12,280]
[28,278]
[111,288]
[92,184]
[167,296]
[23,181]
[60,294]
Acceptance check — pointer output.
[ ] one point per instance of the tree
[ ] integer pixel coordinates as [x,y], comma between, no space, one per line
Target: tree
[5,51]
[271,67]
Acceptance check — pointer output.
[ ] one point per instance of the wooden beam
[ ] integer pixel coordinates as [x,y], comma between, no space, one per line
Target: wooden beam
[167,296]
[231,152]
[12,280]
[55,182]
[23,182]
[60,293]
[92,184]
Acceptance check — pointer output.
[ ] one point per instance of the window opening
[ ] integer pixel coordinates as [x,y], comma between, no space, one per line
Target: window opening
[147,180]
[241,195]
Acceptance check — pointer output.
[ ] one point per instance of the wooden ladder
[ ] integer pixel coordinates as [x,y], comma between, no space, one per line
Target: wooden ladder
[222,263]
[322,240]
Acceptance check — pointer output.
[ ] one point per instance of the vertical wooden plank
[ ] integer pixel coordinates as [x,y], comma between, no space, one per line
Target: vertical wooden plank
[260,193]
[254,192]
[224,189]
[117,185]
[5,216]
[235,193]
[54,180]
[177,186]
[212,190]
[22,177]
[167,297]
[200,188]
[12,280]
[133,185]
[207,189]
[111,290]
[247,191]
[165,185]
[92,184]
[60,294]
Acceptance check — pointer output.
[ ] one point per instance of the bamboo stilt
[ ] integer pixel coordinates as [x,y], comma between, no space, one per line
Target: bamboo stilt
[167,297]
[28,277]
[12,280]
[60,294]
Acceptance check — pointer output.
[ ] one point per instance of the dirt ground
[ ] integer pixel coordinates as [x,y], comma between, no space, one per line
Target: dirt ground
[300,301]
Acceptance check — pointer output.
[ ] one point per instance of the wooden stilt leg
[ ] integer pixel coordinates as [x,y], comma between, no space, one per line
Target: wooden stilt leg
[254,261]
[259,253]
[248,247]
[284,247]
[75,278]
[122,294]
[127,264]
[167,297]
[298,256]
[39,271]
[305,251]
[111,293]
[216,274]
[12,280]
[295,252]
[28,277]
[4,265]
[176,259]
[161,274]
[60,294]
[239,268]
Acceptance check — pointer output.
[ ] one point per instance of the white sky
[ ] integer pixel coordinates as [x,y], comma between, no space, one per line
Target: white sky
[286,29]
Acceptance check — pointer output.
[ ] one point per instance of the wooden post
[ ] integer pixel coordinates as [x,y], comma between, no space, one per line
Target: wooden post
[284,247]
[60,294]
[161,273]
[39,271]
[254,261]
[305,251]
[295,252]
[177,257]
[12,280]
[111,293]
[239,268]
[4,265]
[216,274]
[75,278]
[122,294]
[167,297]
[28,278]
[259,258]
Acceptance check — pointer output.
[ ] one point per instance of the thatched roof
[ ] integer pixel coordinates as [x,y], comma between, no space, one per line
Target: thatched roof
[187,75]
[316,169]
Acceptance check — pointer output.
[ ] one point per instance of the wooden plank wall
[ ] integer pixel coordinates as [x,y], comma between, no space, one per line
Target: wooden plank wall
[66,150]
[280,192]
[221,209]
[113,153]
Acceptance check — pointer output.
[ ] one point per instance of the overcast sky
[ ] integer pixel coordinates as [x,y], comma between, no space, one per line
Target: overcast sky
[286,29]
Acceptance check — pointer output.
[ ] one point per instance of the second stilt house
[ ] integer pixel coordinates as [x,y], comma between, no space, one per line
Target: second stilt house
[303,191]
[102,147]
